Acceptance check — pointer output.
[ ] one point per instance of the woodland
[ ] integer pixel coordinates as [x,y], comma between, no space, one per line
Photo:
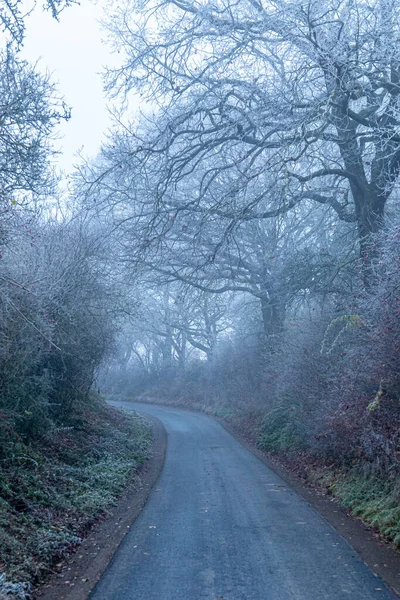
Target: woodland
[255,201]
[234,246]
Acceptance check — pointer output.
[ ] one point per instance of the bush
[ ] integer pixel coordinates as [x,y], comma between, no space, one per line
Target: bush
[283,429]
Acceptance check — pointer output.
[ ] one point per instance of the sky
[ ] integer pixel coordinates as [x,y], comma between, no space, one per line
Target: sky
[73,52]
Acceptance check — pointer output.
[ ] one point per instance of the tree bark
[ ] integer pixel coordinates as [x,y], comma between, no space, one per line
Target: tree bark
[273,316]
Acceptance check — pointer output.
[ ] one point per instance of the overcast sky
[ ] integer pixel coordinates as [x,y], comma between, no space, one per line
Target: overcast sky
[72,50]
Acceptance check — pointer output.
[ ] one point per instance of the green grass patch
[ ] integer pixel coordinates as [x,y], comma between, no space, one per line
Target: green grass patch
[374,500]
[52,492]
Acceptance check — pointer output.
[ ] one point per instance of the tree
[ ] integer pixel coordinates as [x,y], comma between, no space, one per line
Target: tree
[13,14]
[29,111]
[174,317]
[273,260]
[306,90]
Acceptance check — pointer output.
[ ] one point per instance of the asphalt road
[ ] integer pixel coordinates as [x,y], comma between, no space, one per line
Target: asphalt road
[220,525]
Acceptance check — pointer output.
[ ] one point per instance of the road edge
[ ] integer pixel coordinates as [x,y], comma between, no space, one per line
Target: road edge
[378,554]
[77,579]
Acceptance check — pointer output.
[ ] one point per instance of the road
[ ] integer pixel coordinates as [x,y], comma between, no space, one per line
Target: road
[220,525]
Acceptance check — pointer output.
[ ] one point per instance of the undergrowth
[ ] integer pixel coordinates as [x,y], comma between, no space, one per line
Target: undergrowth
[53,491]
[282,429]
[374,500]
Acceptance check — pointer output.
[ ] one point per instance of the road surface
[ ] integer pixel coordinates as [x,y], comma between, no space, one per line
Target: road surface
[220,525]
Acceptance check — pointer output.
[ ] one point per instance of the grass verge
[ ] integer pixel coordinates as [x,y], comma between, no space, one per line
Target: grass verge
[52,493]
[374,500]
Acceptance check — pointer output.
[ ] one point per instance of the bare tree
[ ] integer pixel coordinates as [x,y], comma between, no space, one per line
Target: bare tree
[274,260]
[29,110]
[14,12]
[307,90]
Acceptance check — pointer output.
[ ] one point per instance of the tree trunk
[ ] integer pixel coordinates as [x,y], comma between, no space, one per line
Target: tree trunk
[182,353]
[273,316]
[369,206]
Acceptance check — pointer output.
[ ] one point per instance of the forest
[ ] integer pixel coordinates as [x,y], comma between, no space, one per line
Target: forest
[234,246]
[256,206]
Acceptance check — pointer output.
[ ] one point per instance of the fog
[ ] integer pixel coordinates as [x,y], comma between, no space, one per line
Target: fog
[235,248]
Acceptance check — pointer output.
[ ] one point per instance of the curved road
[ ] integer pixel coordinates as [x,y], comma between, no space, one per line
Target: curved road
[219,525]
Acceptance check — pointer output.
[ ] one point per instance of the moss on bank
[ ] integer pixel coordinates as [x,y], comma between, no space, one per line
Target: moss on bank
[52,492]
